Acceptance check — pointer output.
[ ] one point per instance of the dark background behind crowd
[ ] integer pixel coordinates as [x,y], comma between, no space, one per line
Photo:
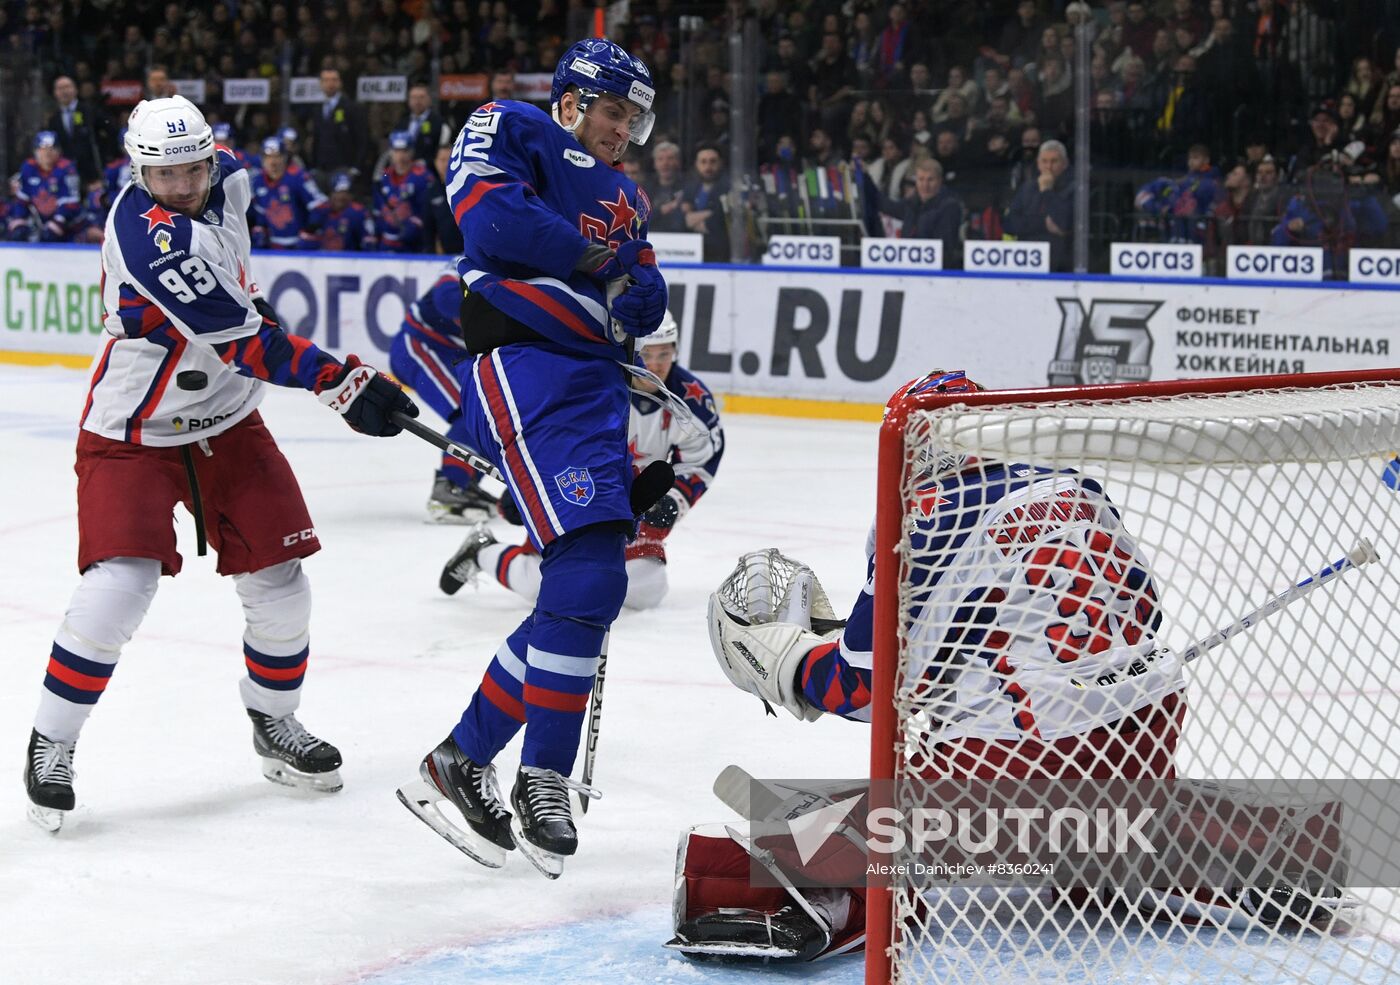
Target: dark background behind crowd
[1211,121]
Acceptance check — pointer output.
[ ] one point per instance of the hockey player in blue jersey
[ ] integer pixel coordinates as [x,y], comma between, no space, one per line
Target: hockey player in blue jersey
[693,444]
[401,199]
[560,280]
[425,356]
[340,223]
[223,137]
[282,202]
[47,203]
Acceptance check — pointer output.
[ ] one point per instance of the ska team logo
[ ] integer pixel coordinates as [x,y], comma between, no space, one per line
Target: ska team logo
[1110,343]
[575,485]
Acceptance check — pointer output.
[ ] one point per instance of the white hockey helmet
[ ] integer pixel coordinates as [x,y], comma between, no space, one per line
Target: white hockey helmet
[170,130]
[668,334]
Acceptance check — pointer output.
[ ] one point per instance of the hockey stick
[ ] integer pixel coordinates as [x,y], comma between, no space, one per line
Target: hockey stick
[1362,554]
[413,427]
[595,722]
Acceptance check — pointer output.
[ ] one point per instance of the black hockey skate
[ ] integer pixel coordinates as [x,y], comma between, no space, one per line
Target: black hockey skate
[544,824]
[462,567]
[48,779]
[451,503]
[736,933]
[447,775]
[293,756]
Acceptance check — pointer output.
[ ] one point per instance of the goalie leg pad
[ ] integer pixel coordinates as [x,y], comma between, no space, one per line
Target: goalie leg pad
[718,912]
[763,660]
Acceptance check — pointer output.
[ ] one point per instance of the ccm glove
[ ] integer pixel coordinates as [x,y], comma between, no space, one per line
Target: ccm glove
[640,308]
[600,263]
[366,399]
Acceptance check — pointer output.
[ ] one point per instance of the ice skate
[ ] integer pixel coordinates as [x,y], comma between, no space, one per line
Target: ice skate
[293,756]
[450,503]
[462,568]
[544,823]
[447,775]
[48,779]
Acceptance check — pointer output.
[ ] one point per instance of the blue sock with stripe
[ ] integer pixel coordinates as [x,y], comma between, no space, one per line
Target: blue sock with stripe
[583,582]
[497,709]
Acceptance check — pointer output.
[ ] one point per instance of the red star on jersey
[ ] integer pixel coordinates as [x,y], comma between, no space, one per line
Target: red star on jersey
[928,498]
[633,450]
[157,216]
[694,391]
[579,493]
[622,213]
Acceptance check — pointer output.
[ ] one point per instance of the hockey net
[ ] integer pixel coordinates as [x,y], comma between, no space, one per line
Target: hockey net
[1227,493]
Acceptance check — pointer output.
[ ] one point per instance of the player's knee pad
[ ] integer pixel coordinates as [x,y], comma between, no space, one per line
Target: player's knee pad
[109,604]
[646,583]
[583,574]
[276,602]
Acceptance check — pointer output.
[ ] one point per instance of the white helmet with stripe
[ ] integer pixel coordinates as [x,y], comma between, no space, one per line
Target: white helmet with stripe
[668,334]
[170,130]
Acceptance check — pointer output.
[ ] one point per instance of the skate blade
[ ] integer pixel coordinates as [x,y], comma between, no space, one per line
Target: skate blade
[422,799]
[547,863]
[286,775]
[48,818]
[437,513]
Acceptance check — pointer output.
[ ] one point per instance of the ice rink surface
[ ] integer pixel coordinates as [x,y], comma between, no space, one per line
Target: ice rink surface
[182,865]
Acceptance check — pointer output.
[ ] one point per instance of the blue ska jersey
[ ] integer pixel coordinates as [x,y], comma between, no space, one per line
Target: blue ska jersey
[655,435]
[282,210]
[401,208]
[1048,609]
[351,229]
[529,199]
[189,350]
[47,203]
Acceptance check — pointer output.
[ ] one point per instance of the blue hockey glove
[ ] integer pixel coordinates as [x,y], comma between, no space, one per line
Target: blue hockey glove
[640,308]
[365,398]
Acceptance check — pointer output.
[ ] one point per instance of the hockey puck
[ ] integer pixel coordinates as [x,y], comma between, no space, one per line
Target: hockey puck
[192,379]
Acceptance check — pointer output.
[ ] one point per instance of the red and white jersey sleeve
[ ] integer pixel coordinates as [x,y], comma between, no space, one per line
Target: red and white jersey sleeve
[172,289]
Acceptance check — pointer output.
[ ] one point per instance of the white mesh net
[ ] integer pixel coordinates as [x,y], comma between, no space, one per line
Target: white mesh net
[1048,593]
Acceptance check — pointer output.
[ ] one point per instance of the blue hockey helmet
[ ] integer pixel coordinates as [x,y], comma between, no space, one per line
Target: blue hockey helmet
[223,132]
[595,66]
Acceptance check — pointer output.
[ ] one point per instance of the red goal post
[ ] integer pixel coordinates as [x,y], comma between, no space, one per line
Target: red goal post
[885,759]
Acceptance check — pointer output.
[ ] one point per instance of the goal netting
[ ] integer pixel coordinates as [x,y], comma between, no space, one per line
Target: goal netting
[1191,582]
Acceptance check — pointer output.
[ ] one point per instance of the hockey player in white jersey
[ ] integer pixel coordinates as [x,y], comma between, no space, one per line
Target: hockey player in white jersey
[171,417]
[655,433]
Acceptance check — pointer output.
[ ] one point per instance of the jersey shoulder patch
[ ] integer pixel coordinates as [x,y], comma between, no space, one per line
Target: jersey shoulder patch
[686,385]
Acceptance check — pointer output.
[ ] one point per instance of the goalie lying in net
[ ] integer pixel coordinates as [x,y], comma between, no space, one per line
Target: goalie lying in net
[1031,621]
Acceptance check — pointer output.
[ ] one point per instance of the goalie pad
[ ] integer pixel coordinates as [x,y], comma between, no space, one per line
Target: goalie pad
[719,913]
[1257,860]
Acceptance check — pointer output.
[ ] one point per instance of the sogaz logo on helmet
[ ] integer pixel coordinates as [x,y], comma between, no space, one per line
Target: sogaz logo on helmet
[641,94]
[181,149]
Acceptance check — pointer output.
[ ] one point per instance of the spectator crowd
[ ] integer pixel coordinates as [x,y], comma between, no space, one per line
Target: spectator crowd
[1222,122]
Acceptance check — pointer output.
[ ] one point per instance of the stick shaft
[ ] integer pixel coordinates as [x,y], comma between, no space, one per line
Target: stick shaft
[595,722]
[1362,554]
[413,427]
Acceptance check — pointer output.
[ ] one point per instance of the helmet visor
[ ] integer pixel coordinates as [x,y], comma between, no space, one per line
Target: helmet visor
[638,124]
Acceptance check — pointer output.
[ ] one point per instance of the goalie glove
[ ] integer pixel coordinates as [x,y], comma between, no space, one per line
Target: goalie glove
[763,660]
